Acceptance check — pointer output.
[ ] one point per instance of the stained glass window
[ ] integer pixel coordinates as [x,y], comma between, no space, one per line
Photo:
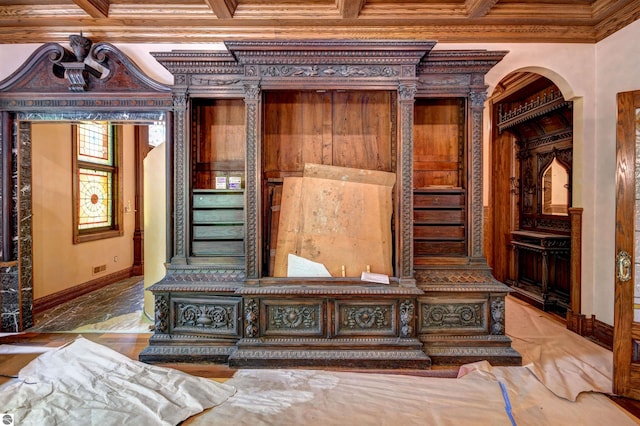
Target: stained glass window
[95,198]
[96,181]
[94,143]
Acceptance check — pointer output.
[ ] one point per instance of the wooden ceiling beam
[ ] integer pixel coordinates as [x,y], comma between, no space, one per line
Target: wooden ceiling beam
[94,8]
[350,9]
[478,8]
[224,9]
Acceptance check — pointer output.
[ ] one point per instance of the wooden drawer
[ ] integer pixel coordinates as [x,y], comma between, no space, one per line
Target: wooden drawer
[218,216]
[445,232]
[438,200]
[218,200]
[218,232]
[455,216]
[217,248]
[442,248]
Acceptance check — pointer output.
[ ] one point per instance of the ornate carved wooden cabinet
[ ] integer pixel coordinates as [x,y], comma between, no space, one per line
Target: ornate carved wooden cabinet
[541,122]
[248,118]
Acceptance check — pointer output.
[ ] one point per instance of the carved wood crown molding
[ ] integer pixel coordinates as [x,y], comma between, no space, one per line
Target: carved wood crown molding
[311,59]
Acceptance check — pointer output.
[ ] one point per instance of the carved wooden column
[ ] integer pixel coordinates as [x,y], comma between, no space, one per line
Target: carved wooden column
[181,184]
[476,100]
[406,100]
[252,178]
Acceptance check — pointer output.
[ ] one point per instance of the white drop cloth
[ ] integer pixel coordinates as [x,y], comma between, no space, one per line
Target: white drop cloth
[85,383]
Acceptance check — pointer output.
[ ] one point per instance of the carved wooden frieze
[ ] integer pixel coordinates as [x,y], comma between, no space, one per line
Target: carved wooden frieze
[330,71]
[441,316]
[458,276]
[378,318]
[293,317]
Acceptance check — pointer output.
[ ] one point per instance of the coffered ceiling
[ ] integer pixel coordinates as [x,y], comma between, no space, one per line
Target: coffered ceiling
[580,21]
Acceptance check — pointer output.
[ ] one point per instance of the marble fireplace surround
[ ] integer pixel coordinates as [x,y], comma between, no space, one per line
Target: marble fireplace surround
[57,83]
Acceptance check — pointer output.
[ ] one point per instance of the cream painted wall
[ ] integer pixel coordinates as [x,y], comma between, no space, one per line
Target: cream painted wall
[58,264]
[155,213]
[588,74]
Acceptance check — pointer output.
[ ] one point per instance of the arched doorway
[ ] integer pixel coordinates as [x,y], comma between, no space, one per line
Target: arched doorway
[531,244]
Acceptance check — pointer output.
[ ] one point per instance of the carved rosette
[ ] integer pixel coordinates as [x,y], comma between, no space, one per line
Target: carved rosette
[497,315]
[407,309]
[452,316]
[162,314]
[293,317]
[204,315]
[250,318]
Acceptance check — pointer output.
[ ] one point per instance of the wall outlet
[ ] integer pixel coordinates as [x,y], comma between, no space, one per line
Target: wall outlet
[98,269]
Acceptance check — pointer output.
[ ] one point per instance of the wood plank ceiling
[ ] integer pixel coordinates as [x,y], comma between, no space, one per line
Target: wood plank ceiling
[157,21]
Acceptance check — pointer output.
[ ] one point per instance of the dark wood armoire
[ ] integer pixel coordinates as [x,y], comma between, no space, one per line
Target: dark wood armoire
[248,118]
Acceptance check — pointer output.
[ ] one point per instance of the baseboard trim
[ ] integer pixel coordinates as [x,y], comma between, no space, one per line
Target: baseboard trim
[52,300]
[591,328]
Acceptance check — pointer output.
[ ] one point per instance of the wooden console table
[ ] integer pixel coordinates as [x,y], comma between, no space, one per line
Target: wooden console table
[541,268]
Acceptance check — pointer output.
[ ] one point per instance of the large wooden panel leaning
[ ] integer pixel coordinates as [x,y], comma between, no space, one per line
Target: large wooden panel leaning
[386,106]
[330,214]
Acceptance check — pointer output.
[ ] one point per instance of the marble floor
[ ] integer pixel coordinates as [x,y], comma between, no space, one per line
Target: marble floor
[117,307]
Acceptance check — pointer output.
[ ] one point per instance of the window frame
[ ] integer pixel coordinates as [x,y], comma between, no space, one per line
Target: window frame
[115,229]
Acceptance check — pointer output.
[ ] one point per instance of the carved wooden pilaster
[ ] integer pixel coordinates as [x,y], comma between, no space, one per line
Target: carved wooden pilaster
[180,172]
[406,100]
[252,251]
[477,98]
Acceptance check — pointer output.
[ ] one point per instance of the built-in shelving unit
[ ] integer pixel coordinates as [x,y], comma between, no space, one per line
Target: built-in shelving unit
[264,110]
[439,218]
[218,223]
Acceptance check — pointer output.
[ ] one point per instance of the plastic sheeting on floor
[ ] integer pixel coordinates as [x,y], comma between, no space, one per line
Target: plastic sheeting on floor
[563,361]
[84,383]
[562,382]
[328,398]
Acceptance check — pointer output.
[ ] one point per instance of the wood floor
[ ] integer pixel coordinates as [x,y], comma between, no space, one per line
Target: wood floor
[51,333]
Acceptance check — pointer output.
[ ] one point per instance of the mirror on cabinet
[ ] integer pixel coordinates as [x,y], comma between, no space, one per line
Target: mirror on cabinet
[555,189]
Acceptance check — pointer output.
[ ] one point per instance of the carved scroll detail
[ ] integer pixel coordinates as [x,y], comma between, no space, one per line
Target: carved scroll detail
[497,315]
[162,314]
[251,318]
[407,309]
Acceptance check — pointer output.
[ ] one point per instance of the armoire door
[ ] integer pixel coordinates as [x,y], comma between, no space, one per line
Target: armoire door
[626,347]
